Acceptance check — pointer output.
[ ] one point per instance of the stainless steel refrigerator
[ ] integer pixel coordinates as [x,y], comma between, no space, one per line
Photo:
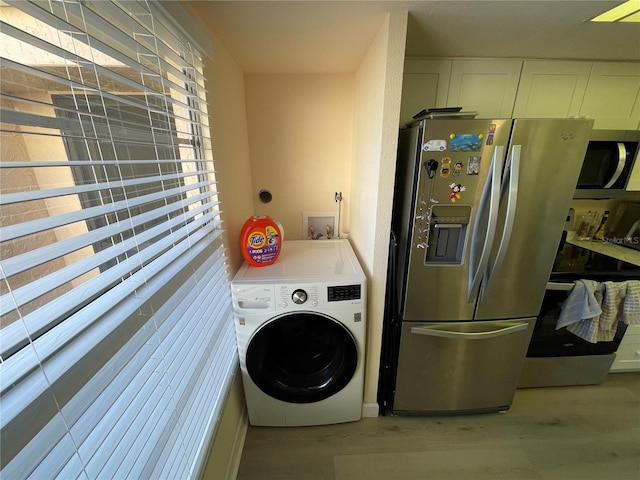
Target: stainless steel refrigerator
[478,213]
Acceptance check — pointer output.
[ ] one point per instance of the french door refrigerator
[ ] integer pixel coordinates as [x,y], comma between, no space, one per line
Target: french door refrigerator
[479,209]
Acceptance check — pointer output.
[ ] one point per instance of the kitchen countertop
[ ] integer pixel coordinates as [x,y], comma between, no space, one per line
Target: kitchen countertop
[618,252]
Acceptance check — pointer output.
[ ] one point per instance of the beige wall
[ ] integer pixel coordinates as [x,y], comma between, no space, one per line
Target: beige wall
[227,112]
[300,136]
[377,113]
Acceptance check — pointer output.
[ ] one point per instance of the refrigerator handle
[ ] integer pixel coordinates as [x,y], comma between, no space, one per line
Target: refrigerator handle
[513,173]
[498,332]
[490,194]
[560,286]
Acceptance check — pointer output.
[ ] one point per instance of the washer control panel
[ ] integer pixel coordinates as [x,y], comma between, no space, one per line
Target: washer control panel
[306,296]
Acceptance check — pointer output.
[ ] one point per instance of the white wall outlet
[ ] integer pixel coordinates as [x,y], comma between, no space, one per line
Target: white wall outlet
[319,225]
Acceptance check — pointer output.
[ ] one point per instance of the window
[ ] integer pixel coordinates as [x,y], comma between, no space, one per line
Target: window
[116,334]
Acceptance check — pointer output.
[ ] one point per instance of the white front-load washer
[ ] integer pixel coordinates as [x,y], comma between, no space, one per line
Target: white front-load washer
[301,328]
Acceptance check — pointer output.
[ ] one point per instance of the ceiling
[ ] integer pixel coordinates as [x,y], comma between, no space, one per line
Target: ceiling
[332,36]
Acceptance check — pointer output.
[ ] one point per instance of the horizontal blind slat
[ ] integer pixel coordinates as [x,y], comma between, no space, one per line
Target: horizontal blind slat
[8,164]
[71,57]
[226,358]
[92,390]
[106,28]
[75,128]
[50,282]
[23,262]
[48,345]
[40,225]
[10,198]
[62,360]
[66,306]
[98,387]
[91,415]
[78,87]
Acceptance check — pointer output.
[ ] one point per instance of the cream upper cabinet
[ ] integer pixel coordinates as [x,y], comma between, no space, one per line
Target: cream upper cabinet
[551,89]
[486,86]
[425,85]
[612,96]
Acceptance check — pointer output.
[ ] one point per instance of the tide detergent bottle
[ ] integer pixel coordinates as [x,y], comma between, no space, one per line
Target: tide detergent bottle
[261,241]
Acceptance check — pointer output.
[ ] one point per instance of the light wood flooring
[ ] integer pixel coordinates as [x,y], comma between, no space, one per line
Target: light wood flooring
[560,433]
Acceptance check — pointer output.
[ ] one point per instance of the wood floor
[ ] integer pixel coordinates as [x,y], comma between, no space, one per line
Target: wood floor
[563,433]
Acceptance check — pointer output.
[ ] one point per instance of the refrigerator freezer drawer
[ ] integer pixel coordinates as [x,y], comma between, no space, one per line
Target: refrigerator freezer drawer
[460,367]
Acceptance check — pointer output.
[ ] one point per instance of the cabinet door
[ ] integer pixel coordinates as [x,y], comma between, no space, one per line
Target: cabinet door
[425,85]
[485,86]
[550,89]
[612,97]
[628,354]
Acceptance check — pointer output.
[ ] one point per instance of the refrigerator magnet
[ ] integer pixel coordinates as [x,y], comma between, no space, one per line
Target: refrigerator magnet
[457,169]
[456,190]
[473,167]
[445,170]
[435,146]
[466,143]
[492,131]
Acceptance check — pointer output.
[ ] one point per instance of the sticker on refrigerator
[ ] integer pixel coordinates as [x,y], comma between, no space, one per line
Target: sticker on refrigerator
[473,167]
[457,169]
[492,131]
[465,142]
[456,190]
[435,146]
[445,170]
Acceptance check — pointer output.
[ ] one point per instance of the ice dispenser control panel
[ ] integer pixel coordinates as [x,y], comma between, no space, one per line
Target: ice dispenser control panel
[447,234]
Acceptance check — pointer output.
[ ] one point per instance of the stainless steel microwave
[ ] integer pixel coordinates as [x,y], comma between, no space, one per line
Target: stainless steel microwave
[608,163]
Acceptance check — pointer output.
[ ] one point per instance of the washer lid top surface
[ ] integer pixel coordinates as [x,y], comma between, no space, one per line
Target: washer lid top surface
[312,260]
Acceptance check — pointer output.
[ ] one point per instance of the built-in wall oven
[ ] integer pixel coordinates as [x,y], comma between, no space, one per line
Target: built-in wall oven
[558,357]
[608,163]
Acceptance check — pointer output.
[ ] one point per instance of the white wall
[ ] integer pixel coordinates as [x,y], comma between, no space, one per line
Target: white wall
[377,113]
[300,137]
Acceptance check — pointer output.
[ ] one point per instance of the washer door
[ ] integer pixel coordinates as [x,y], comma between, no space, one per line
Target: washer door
[302,357]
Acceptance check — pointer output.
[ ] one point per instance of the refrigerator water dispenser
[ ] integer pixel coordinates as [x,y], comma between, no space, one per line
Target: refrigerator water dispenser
[448,233]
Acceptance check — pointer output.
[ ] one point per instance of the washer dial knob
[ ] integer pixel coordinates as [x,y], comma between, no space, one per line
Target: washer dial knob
[299,297]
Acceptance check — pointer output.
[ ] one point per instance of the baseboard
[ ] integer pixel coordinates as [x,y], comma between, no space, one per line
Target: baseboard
[238,446]
[370,410]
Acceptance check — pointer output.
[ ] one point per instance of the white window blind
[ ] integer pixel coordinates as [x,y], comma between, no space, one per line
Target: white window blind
[116,335]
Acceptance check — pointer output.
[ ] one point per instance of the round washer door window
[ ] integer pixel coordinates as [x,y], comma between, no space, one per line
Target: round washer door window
[302,357]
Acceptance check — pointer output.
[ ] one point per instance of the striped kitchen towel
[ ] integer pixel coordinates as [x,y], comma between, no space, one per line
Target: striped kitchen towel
[621,302]
[631,304]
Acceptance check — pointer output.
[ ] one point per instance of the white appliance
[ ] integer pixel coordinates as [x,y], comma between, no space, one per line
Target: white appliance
[301,325]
